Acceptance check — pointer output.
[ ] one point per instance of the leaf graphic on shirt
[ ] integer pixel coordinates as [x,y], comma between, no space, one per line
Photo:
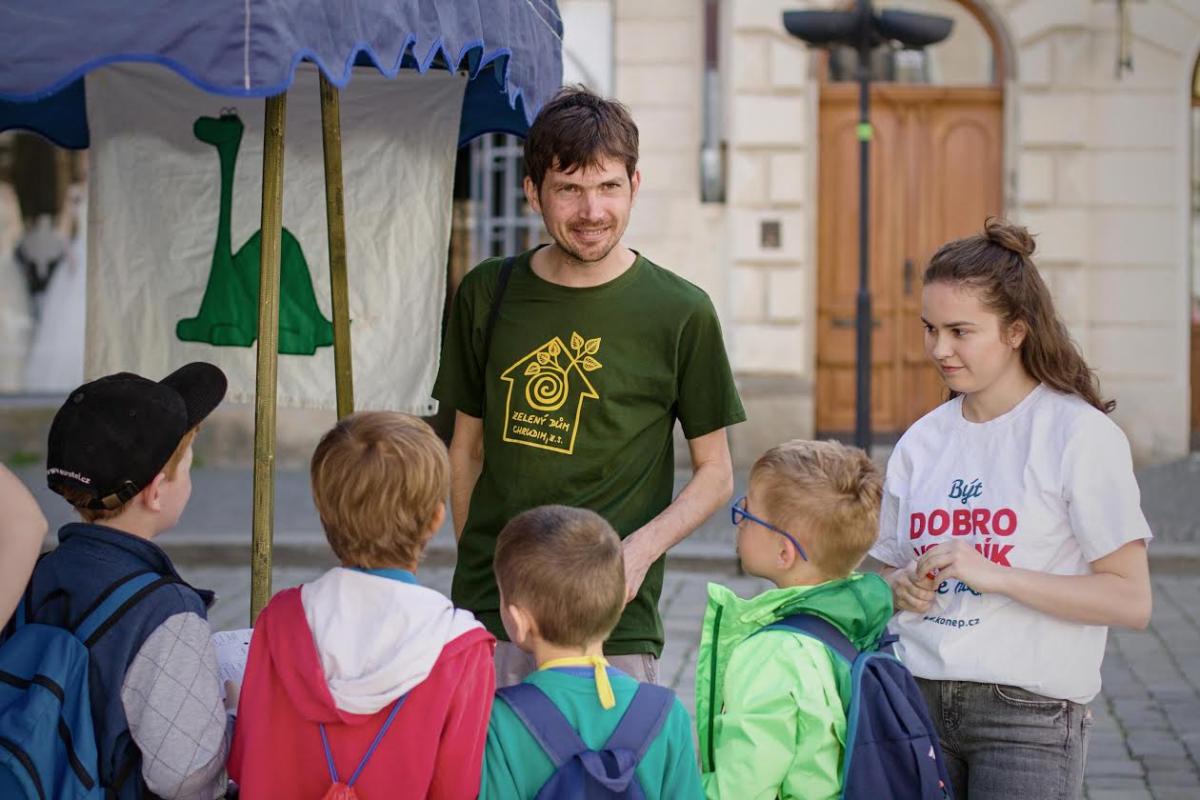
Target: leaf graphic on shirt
[576,341]
[532,368]
[543,357]
[590,364]
[592,346]
[554,348]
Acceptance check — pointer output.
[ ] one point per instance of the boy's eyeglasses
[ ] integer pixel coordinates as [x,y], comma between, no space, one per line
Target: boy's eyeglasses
[738,512]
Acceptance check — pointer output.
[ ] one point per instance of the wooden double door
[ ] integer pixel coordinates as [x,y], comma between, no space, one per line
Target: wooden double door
[936,174]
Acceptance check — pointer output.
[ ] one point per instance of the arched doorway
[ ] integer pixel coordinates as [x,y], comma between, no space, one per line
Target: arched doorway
[936,173]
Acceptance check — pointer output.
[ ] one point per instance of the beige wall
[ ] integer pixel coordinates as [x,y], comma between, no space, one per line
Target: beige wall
[1102,176]
[658,70]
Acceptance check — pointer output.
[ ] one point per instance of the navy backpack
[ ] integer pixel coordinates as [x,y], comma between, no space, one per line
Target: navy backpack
[579,771]
[47,740]
[892,747]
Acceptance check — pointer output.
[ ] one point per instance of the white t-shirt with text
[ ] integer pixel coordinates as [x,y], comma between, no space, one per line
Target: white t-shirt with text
[1048,486]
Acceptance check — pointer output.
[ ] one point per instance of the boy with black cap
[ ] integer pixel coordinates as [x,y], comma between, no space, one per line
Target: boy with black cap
[120,452]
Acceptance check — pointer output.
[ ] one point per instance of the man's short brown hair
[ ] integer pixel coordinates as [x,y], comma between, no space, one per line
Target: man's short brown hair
[80,499]
[377,480]
[830,489]
[563,565]
[578,129]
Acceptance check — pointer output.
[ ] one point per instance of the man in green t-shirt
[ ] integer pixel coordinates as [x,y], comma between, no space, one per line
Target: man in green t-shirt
[594,354]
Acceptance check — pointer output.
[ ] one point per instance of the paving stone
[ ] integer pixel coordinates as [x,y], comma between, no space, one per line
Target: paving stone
[1127,790]
[1099,767]
[1146,747]
[1174,793]
[1175,778]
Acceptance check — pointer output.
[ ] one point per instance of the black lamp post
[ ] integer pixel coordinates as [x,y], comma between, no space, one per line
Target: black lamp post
[864,30]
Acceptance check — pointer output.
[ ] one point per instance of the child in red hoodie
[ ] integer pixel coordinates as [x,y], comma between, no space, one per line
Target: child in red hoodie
[365,654]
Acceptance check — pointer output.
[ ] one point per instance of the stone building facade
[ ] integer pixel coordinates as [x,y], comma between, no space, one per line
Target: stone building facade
[1097,165]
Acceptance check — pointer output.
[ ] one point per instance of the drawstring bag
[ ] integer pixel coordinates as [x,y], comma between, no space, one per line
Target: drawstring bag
[345,791]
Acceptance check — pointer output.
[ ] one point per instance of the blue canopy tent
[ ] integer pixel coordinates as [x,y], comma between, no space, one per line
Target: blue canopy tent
[509,49]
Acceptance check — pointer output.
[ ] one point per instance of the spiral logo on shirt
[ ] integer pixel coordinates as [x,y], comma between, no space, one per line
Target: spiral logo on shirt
[555,376]
[547,391]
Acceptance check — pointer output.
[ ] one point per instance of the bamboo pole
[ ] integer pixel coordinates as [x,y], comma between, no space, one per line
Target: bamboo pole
[268,354]
[335,215]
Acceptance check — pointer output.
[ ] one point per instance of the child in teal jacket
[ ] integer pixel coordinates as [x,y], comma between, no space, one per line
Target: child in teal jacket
[562,590]
[771,706]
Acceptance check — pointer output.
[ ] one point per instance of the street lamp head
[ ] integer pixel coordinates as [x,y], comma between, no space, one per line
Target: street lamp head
[912,30]
[823,27]
[861,26]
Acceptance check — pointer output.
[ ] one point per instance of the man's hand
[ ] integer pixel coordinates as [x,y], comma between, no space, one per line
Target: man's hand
[962,561]
[910,592]
[637,563]
[708,490]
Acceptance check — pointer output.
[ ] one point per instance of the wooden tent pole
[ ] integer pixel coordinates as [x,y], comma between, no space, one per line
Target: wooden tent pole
[268,354]
[335,215]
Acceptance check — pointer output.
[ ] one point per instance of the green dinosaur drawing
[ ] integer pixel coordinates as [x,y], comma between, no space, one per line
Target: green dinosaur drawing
[228,315]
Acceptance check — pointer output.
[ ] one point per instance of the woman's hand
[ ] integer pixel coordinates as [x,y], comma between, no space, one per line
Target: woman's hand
[962,561]
[910,592]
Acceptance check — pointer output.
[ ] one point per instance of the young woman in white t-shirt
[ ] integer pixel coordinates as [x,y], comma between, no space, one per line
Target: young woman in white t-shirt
[1011,527]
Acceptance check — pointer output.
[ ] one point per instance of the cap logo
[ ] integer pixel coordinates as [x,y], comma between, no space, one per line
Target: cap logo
[66,473]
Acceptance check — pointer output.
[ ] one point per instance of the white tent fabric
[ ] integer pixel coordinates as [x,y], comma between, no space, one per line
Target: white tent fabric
[156,206]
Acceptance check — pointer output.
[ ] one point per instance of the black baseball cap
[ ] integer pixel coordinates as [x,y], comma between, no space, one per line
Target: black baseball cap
[114,435]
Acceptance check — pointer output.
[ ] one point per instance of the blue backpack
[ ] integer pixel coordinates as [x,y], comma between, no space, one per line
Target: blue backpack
[47,739]
[579,771]
[892,746]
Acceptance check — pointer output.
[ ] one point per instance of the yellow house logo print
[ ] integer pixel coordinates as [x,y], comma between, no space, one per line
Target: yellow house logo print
[546,390]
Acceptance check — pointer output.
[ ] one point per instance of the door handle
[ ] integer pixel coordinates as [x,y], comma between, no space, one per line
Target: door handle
[908,277]
[850,322]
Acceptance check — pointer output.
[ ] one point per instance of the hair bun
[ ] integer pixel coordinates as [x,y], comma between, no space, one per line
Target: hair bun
[1010,236]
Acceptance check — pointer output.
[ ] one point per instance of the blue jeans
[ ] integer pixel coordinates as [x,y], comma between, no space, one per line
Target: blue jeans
[1003,742]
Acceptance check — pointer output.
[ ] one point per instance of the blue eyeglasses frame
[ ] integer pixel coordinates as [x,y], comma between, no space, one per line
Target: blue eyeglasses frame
[738,512]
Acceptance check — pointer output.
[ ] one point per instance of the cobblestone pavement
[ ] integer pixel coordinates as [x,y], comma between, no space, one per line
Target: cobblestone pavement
[1146,738]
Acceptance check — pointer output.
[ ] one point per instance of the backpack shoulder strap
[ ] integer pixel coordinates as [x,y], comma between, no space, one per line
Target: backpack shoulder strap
[114,601]
[642,720]
[20,618]
[544,721]
[506,271]
[819,629]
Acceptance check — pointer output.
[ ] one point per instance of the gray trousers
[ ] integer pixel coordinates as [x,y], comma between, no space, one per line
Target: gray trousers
[513,664]
[1003,742]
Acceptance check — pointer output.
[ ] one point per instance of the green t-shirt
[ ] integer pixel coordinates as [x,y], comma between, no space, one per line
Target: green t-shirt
[515,765]
[583,390]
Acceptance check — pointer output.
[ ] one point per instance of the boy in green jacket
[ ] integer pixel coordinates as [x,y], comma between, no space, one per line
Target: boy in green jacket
[562,589]
[771,706]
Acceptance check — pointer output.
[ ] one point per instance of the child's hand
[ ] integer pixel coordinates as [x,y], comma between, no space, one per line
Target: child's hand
[910,592]
[233,692]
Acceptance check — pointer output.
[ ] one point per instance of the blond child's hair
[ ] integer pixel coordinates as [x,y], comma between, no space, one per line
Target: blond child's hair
[378,478]
[79,498]
[563,565]
[831,490]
